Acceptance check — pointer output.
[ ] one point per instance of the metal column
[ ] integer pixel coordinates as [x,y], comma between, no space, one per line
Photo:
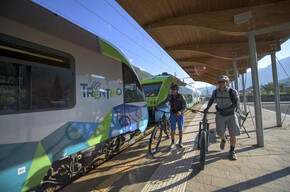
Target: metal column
[236,74]
[228,74]
[244,92]
[276,90]
[257,94]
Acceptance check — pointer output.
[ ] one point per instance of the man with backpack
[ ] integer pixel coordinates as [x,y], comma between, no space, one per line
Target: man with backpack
[227,100]
[177,107]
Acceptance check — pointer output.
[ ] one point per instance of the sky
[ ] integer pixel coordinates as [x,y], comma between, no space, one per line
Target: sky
[108,20]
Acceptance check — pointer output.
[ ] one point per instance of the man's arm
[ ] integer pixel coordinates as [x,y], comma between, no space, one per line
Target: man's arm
[164,101]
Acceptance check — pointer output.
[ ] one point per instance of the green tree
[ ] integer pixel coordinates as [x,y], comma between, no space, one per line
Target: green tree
[282,87]
[269,87]
[263,92]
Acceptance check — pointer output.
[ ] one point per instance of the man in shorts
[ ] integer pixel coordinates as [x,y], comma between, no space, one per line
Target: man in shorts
[177,107]
[227,100]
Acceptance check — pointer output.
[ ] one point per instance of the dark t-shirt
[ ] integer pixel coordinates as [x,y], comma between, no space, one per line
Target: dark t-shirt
[177,103]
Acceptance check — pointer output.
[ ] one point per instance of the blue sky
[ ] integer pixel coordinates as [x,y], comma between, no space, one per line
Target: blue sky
[107,19]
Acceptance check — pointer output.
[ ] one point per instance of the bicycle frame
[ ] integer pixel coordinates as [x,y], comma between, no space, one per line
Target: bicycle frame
[155,139]
[203,137]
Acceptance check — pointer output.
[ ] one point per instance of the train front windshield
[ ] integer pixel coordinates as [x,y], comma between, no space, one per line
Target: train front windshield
[151,90]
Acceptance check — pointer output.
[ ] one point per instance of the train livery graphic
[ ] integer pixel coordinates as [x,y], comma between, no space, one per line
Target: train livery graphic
[66,96]
[156,89]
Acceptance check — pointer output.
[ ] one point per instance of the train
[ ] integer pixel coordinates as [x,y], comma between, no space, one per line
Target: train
[157,88]
[66,96]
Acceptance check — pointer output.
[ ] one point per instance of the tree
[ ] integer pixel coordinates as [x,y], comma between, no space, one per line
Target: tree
[269,87]
[282,87]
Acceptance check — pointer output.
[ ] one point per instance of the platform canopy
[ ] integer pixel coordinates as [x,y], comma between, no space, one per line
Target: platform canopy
[204,36]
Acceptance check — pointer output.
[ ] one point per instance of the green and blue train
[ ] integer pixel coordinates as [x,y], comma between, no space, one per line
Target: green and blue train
[66,97]
[156,89]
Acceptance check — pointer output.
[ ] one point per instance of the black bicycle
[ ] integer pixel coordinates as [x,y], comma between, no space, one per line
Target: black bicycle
[162,126]
[203,137]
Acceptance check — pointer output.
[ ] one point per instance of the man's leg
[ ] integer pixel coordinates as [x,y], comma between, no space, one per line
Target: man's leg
[180,128]
[234,130]
[233,140]
[173,127]
[221,129]
[180,135]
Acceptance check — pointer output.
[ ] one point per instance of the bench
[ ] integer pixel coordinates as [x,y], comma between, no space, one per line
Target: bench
[242,115]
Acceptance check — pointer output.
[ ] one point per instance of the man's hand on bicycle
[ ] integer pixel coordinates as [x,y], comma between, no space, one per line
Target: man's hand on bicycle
[204,111]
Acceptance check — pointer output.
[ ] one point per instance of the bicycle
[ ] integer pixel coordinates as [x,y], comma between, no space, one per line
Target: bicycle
[155,139]
[203,137]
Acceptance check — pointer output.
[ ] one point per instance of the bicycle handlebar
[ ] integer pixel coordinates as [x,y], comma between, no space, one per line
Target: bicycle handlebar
[195,111]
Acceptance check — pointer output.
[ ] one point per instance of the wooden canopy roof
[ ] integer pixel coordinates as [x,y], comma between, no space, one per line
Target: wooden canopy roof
[204,36]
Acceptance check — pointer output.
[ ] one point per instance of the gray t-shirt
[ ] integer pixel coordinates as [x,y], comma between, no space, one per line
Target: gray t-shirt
[226,100]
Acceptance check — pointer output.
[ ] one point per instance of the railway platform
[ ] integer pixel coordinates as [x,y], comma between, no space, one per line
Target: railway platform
[257,168]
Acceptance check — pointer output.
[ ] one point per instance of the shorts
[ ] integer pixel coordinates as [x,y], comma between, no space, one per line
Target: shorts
[179,119]
[231,121]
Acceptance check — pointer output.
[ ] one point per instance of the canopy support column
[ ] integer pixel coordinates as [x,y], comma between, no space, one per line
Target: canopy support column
[276,90]
[236,74]
[257,94]
[244,92]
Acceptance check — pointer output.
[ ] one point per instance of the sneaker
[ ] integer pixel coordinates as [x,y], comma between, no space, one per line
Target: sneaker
[180,144]
[222,145]
[172,146]
[233,155]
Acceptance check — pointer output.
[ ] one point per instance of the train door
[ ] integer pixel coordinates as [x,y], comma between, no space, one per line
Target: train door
[134,99]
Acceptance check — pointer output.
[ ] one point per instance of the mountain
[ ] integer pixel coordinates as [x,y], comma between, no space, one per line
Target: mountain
[285,81]
[265,75]
[207,90]
[142,74]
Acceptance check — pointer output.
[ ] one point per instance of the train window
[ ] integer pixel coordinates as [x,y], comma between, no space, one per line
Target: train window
[34,78]
[133,90]
[151,90]
[189,99]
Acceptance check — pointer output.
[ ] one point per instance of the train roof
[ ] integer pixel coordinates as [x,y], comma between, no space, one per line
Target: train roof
[37,17]
[162,77]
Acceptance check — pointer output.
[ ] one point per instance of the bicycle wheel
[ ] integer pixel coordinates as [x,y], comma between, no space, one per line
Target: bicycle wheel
[155,139]
[199,133]
[203,144]
[207,136]
[167,129]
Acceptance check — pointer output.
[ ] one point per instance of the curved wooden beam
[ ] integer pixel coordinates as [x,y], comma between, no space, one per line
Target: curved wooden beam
[206,61]
[227,51]
[222,22]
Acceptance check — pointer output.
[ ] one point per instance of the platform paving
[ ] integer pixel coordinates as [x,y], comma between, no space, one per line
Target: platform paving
[257,168]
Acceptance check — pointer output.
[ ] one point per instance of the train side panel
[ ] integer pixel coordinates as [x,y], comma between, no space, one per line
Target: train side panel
[32,139]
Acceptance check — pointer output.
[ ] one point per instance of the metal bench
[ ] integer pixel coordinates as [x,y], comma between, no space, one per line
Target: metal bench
[242,115]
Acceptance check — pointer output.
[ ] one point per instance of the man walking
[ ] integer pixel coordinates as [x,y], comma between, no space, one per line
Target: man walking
[227,100]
